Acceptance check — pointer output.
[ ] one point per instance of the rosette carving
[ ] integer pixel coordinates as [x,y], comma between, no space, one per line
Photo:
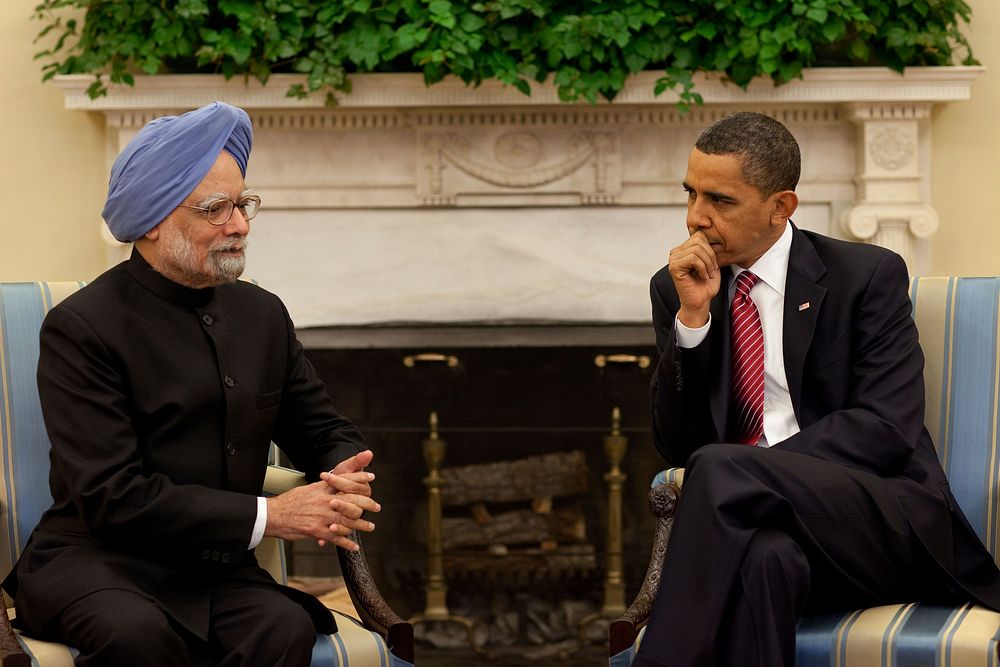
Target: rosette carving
[892,148]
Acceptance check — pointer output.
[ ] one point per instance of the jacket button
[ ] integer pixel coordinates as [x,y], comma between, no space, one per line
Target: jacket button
[215,555]
[208,320]
[225,558]
[230,449]
[229,382]
[206,554]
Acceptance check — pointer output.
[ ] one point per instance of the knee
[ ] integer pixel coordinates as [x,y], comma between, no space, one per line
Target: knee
[713,454]
[722,466]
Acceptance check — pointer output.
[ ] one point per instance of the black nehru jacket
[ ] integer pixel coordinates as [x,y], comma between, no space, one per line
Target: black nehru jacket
[161,402]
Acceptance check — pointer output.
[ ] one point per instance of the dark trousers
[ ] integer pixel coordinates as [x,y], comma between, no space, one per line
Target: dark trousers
[762,536]
[251,625]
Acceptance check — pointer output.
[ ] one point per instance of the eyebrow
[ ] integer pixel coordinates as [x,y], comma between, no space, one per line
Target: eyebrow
[714,194]
[215,196]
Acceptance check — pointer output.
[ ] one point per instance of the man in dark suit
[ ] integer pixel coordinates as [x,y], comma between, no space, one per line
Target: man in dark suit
[162,385]
[801,349]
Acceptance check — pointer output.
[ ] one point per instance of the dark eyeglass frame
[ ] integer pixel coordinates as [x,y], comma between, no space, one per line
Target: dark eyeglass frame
[215,219]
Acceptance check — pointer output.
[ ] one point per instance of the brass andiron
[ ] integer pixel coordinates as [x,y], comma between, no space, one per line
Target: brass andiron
[615,446]
[436,605]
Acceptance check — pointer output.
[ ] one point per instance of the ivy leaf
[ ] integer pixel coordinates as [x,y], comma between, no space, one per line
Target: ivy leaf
[441,13]
[858,49]
[817,15]
[834,29]
[472,22]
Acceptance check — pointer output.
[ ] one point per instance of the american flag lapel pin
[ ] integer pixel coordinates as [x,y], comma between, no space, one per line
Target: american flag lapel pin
[803,306]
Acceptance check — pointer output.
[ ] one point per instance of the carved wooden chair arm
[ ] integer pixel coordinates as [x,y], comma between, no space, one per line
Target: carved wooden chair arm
[11,653]
[375,613]
[371,606]
[624,629]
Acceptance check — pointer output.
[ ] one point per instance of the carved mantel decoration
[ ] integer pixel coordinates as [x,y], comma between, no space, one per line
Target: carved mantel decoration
[453,204]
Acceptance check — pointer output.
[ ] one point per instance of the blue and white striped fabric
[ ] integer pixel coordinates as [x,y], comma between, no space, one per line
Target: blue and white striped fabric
[959,322]
[903,635]
[24,487]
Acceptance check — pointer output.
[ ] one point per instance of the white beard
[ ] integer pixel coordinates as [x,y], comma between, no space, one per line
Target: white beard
[219,267]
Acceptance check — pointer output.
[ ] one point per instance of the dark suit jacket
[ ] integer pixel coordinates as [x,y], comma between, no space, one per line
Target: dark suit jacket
[161,403]
[855,374]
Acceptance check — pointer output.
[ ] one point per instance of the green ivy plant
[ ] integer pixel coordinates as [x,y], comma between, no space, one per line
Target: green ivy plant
[587,47]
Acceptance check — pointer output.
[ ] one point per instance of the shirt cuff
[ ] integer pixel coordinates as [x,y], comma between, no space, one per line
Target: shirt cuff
[259,524]
[688,337]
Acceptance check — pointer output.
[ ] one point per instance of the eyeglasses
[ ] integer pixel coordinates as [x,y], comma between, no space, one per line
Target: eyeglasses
[219,211]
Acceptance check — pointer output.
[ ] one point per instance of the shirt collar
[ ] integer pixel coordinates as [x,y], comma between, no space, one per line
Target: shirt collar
[772,267]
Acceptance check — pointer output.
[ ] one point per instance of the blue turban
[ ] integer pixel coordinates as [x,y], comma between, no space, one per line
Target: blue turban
[167,160]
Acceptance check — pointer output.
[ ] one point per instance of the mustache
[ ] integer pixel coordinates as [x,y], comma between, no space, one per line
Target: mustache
[238,243]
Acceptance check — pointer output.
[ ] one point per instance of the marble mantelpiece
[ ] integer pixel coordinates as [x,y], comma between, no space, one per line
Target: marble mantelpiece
[409,203]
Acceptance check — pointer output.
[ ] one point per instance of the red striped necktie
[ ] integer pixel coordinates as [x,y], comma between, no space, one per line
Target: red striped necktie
[748,361]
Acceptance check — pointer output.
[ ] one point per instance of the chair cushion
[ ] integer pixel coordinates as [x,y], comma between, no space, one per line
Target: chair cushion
[47,654]
[958,320]
[22,308]
[352,646]
[625,658]
[913,635]
[675,475]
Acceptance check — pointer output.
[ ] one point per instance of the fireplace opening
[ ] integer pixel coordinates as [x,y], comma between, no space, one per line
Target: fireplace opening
[523,415]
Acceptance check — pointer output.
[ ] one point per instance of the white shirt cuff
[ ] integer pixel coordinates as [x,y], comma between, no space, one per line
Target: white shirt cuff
[259,524]
[688,337]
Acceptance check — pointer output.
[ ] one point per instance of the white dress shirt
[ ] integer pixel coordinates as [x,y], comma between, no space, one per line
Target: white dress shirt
[259,524]
[769,297]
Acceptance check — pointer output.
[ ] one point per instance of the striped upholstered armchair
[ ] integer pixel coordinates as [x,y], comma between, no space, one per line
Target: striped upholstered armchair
[378,638]
[959,329]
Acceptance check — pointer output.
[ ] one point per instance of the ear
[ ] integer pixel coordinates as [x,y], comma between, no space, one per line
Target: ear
[785,203]
[153,233]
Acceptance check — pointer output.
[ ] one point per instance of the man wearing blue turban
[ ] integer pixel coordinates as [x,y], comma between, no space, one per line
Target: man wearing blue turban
[162,385]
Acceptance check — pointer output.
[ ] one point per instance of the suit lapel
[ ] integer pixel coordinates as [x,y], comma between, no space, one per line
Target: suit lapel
[721,390]
[803,303]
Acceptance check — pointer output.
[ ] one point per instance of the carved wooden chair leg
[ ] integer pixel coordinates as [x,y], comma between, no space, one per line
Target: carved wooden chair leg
[624,629]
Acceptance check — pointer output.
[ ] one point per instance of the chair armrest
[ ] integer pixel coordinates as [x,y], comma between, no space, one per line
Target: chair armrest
[277,480]
[371,606]
[623,630]
[375,613]
[11,653]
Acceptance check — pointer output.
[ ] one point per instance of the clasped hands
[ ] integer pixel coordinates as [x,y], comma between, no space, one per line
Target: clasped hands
[328,510]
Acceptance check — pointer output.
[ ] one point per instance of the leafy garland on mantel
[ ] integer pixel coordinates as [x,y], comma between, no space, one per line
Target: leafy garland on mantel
[587,47]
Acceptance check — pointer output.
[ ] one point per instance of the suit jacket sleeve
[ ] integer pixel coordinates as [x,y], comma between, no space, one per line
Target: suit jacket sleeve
[309,429]
[681,417]
[866,407]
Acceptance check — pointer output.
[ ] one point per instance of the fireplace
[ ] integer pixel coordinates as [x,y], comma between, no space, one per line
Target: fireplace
[501,393]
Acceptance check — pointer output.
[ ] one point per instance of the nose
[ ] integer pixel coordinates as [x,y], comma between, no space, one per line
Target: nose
[238,225]
[697,217]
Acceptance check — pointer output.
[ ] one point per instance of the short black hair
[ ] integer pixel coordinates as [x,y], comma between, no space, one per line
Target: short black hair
[770,154]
